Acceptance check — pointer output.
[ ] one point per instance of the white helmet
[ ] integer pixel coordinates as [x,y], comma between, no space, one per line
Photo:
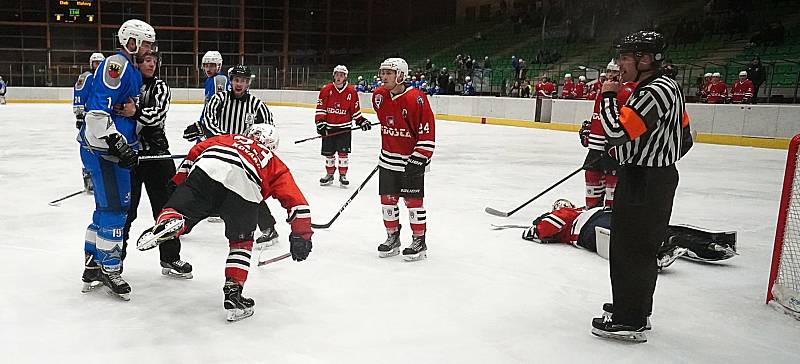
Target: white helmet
[716,74]
[582,78]
[213,57]
[612,66]
[138,30]
[340,68]
[568,75]
[467,79]
[603,74]
[96,57]
[743,73]
[265,134]
[562,203]
[360,78]
[708,74]
[398,65]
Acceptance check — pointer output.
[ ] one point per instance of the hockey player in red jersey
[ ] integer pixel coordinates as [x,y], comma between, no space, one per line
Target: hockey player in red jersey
[600,165]
[580,88]
[337,108]
[742,89]
[545,88]
[407,142]
[718,90]
[568,92]
[594,92]
[231,174]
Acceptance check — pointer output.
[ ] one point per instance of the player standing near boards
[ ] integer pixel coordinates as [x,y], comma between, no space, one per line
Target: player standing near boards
[337,108]
[79,95]
[407,142]
[651,133]
[216,81]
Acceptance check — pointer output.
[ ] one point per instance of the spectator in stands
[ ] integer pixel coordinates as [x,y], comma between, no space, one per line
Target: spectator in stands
[580,88]
[469,88]
[525,89]
[515,65]
[429,68]
[568,91]
[443,81]
[756,74]
[514,91]
[704,88]
[522,69]
[545,88]
[718,91]
[486,64]
[742,90]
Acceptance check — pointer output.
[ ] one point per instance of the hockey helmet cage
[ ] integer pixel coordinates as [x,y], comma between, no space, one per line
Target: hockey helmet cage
[138,30]
[562,203]
[265,134]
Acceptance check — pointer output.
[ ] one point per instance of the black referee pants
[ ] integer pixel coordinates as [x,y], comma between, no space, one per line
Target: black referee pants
[642,209]
[154,175]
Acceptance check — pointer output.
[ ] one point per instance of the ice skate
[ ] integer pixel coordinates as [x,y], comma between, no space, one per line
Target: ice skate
[606,328]
[343,181]
[326,181]
[238,307]
[91,275]
[666,258]
[116,285]
[163,231]
[417,250]
[608,310]
[391,246]
[268,238]
[177,269]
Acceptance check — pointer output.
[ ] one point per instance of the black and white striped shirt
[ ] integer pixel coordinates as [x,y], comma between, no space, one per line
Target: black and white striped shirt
[652,128]
[153,103]
[226,114]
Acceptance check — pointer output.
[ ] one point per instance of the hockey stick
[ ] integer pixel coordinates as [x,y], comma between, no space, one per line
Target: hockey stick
[273,260]
[145,158]
[495,212]
[55,202]
[510,226]
[332,134]
[329,223]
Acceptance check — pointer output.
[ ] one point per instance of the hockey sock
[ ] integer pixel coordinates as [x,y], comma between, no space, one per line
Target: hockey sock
[238,264]
[343,162]
[416,215]
[611,186]
[330,164]
[594,188]
[90,240]
[391,213]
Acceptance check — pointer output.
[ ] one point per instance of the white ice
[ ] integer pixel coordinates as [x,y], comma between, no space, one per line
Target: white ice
[482,296]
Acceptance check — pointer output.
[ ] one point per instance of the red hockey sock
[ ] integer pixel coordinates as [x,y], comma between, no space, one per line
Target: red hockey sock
[416,215]
[330,164]
[238,264]
[594,188]
[343,162]
[391,213]
[611,186]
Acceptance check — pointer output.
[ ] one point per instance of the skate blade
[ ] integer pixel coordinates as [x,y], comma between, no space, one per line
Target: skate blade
[629,336]
[389,254]
[148,240]
[260,245]
[415,257]
[214,219]
[123,296]
[175,274]
[90,286]
[236,314]
[326,183]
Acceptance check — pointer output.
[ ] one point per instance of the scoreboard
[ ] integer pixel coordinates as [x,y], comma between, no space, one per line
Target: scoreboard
[74,11]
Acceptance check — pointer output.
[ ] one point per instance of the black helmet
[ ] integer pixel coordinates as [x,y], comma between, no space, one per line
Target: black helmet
[644,41]
[239,70]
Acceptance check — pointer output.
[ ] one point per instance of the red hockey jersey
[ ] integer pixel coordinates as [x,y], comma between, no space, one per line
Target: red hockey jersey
[545,89]
[597,137]
[407,127]
[741,91]
[564,225]
[580,90]
[717,92]
[568,92]
[337,108]
[250,170]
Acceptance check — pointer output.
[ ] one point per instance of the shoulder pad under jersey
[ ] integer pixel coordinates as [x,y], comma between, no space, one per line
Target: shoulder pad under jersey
[220,83]
[113,70]
[82,80]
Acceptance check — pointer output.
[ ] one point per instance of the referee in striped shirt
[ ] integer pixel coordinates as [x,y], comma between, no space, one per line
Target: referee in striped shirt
[650,133]
[232,112]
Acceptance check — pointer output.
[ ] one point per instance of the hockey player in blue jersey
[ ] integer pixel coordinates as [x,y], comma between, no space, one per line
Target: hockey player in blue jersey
[79,94]
[108,150]
[2,91]
[216,81]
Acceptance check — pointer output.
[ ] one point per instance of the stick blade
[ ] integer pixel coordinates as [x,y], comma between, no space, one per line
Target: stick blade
[273,260]
[494,212]
[320,226]
[54,204]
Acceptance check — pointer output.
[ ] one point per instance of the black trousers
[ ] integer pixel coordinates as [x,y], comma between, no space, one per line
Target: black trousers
[154,175]
[642,209]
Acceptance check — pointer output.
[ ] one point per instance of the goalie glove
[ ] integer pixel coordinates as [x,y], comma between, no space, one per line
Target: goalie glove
[118,147]
[300,248]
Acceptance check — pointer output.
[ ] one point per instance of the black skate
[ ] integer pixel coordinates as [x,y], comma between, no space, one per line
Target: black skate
[667,257]
[178,269]
[163,231]
[606,328]
[238,307]
[391,246]
[608,310]
[343,180]
[116,285]
[268,238]
[417,250]
[91,274]
[326,181]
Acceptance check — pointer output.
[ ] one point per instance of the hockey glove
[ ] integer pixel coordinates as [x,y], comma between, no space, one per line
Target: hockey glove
[415,166]
[300,248]
[118,147]
[79,123]
[584,132]
[322,129]
[192,132]
[363,123]
[154,140]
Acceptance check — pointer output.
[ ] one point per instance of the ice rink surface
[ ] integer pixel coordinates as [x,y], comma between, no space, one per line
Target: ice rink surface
[482,296]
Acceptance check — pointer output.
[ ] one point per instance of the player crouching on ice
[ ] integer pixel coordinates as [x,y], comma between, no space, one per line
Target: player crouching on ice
[231,174]
[591,228]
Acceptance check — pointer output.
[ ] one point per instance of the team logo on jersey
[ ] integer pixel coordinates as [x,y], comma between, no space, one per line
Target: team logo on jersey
[419,100]
[390,120]
[114,69]
[378,101]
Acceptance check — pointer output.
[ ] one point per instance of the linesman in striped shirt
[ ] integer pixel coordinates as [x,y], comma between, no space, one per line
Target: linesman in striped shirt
[233,112]
[650,133]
